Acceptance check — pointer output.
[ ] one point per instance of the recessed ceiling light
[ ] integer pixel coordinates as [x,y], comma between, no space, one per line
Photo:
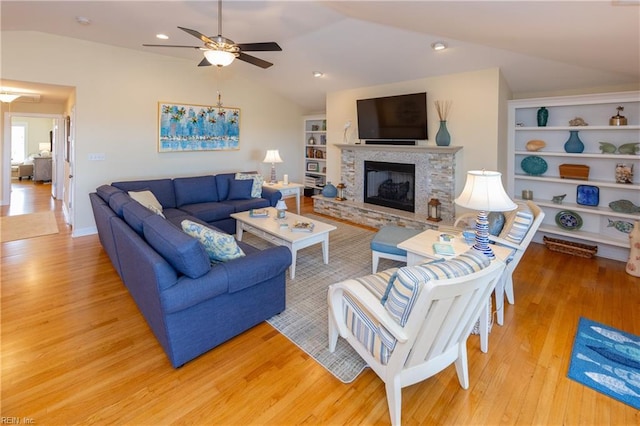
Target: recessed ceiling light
[317,74]
[439,45]
[162,36]
[83,20]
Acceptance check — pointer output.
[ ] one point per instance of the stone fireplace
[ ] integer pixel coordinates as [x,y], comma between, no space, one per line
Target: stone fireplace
[390,184]
[435,177]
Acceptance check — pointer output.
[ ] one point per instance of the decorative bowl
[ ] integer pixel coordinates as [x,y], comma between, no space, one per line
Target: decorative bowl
[569,220]
[534,165]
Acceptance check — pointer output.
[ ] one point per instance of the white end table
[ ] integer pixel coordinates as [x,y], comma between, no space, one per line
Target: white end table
[288,190]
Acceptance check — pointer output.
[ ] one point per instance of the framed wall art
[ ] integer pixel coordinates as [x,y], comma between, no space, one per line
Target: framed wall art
[183,128]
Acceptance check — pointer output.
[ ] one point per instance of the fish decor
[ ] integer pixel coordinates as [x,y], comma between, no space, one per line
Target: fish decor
[631,148]
[621,225]
[624,206]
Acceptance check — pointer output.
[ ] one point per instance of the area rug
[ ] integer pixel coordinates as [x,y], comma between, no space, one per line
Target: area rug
[27,226]
[304,320]
[608,361]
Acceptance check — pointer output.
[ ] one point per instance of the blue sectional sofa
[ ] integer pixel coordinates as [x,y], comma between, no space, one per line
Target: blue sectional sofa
[190,304]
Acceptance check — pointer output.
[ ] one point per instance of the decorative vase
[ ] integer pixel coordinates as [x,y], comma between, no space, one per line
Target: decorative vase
[543,116]
[329,190]
[573,144]
[633,264]
[443,138]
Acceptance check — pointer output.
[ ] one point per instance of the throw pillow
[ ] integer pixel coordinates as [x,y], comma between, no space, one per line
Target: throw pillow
[496,222]
[219,246]
[147,199]
[258,181]
[240,189]
[403,291]
[518,224]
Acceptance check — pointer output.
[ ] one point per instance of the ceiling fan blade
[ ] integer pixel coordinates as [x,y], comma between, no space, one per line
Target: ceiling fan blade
[172,45]
[204,63]
[198,35]
[254,61]
[270,46]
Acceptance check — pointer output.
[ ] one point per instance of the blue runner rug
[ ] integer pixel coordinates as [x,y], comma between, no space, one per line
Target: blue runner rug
[607,360]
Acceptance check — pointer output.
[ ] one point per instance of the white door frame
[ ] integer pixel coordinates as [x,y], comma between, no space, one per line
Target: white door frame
[6,152]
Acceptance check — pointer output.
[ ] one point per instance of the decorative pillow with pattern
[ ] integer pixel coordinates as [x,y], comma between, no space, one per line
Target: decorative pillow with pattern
[404,288]
[258,180]
[219,246]
[518,224]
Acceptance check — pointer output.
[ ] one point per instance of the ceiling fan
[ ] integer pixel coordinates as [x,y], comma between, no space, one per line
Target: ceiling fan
[221,51]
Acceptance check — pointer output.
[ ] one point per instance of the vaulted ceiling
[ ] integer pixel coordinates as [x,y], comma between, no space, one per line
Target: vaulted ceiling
[540,46]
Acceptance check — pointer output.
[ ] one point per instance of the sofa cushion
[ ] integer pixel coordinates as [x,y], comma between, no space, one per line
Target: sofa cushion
[240,189]
[117,202]
[181,251]
[244,205]
[222,183]
[209,212]
[404,287]
[148,200]
[219,246]
[106,191]
[518,223]
[134,214]
[194,190]
[161,188]
[258,181]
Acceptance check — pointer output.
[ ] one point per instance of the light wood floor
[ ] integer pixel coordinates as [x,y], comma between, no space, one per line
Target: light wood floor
[75,350]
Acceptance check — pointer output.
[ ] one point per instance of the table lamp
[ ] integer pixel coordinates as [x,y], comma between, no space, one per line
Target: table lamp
[273,157]
[483,191]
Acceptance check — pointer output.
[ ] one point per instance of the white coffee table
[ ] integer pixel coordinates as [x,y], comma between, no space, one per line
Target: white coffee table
[268,228]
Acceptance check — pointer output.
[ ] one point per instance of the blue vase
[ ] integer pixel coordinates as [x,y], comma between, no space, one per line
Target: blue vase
[443,138]
[542,116]
[329,190]
[573,144]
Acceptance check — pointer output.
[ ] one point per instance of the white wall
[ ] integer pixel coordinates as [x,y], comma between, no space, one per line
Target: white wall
[474,121]
[117,91]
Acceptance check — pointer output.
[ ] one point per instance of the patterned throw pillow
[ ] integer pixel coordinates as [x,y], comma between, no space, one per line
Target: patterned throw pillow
[258,180]
[219,246]
[403,290]
[518,224]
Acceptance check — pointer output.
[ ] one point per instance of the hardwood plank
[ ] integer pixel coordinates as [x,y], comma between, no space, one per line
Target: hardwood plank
[76,350]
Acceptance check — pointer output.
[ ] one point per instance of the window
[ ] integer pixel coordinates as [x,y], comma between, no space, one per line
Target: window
[18,142]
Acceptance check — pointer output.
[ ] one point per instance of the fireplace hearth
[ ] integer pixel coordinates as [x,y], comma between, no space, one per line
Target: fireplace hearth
[390,185]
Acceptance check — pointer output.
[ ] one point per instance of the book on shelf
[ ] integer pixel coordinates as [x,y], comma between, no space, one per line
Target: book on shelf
[258,213]
[302,227]
[443,249]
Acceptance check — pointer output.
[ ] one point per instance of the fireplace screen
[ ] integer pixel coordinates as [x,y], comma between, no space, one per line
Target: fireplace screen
[390,185]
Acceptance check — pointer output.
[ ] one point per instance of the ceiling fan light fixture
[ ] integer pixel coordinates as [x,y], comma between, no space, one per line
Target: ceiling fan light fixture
[318,74]
[438,45]
[162,36]
[219,58]
[8,97]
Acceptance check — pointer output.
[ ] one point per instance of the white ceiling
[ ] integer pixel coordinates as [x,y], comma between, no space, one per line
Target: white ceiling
[540,46]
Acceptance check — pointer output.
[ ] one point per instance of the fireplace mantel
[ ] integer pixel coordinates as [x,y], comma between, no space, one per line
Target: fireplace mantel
[402,148]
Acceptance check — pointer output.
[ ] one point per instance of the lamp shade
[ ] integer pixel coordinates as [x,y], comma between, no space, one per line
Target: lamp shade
[281,205]
[483,190]
[8,97]
[273,156]
[220,58]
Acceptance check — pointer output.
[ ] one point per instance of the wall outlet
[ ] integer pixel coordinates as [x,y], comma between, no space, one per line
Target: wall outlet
[97,156]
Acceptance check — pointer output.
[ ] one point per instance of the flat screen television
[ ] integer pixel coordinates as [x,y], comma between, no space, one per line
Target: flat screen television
[401,117]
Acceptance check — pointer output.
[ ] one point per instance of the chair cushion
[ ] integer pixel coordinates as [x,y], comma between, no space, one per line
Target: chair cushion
[240,189]
[403,289]
[373,336]
[388,237]
[258,180]
[518,223]
[219,246]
